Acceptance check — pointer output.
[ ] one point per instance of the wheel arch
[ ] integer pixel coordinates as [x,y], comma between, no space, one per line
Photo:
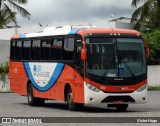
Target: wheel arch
[66,87]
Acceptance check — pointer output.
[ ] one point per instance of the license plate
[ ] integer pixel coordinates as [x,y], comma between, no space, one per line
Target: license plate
[118,102]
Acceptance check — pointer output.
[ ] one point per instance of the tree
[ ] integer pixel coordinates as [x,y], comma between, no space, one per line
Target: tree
[154,46]
[147,13]
[6,17]
[9,9]
[4,69]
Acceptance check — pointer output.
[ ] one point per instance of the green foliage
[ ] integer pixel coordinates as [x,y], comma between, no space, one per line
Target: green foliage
[9,9]
[146,13]
[4,69]
[154,88]
[6,17]
[154,46]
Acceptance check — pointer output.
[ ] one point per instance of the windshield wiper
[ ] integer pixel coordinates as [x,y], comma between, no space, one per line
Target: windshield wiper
[130,71]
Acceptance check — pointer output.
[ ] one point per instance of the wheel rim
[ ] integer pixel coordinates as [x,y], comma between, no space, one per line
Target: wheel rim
[70,98]
[29,97]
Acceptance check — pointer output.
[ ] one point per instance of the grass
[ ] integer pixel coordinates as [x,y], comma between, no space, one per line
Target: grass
[154,88]
[8,91]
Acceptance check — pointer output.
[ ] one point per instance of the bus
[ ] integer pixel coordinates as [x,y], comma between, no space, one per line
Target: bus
[80,65]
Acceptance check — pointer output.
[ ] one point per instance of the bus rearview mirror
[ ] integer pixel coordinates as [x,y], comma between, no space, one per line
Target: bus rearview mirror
[83,54]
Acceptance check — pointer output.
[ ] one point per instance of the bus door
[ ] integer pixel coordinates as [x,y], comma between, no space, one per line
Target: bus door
[78,76]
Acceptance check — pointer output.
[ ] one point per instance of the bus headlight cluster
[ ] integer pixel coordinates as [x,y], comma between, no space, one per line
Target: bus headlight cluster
[142,88]
[93,88]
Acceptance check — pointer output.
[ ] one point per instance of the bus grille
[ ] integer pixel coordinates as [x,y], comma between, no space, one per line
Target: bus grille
[118,98]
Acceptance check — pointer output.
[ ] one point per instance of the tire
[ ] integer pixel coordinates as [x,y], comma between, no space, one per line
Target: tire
[71,105]
[33,101]
[122,107]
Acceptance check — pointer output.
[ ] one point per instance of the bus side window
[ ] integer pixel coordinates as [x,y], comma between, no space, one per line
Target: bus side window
[46,49]
[26,50]
[13,50]
[53,50]
[18,53]
[65,54]
[57,49]
[35,51]
[68,49]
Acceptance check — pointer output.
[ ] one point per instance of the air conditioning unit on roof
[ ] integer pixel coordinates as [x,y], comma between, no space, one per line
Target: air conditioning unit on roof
[66,28]
[58,28]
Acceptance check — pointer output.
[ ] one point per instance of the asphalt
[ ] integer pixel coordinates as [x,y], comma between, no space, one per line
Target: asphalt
[13,105]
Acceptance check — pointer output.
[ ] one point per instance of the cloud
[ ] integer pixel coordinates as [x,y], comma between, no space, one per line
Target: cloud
[56,12]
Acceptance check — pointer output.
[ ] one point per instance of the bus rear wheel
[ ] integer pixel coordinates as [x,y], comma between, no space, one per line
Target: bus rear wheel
[33,101]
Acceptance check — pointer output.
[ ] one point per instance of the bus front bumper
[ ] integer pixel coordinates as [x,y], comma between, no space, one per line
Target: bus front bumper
[97,97]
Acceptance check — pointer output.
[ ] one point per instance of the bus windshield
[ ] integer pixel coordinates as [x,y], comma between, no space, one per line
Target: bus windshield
[115,57]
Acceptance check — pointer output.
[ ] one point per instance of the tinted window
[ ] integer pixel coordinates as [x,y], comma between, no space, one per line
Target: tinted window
[68,49]
[57,49]
[53,50]
[78,61]
[78,52]
[26,50]
[46,49]
[18,52]
[13,50]
[35,52]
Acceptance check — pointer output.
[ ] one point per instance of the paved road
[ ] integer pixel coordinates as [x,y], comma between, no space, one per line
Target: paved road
[13,105]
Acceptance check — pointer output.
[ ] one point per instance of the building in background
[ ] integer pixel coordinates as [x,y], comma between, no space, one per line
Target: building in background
[123,22]
[4,51]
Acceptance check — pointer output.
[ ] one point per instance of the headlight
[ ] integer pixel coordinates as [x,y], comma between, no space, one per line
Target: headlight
[142,88]
[93,88]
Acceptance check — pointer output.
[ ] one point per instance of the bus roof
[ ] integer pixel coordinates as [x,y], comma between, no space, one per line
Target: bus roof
[108,31]
[71,30]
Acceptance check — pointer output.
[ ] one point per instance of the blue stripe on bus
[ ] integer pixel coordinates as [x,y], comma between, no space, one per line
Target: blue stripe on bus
[22,35]
[57,72]
[72,32]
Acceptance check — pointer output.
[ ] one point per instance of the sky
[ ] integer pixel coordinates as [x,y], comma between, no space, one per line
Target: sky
[74,12]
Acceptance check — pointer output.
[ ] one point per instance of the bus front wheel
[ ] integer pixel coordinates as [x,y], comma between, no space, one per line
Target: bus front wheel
[33,101]
[71,105]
